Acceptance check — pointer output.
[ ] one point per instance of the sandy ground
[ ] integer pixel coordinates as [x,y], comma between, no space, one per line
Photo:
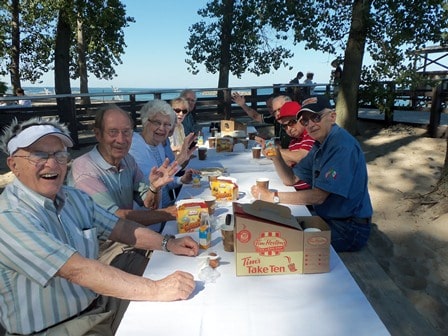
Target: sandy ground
[408,242]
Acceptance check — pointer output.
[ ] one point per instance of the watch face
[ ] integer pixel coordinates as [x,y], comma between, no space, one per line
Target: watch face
[276,199]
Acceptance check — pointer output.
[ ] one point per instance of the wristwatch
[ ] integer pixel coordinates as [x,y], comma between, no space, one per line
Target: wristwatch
[276,198]
[165,240]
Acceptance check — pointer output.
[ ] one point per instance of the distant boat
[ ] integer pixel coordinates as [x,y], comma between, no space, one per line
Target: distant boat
[116,90]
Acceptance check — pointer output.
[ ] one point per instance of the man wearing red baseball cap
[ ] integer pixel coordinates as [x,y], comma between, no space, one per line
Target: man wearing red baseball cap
[336,170]
[299,146]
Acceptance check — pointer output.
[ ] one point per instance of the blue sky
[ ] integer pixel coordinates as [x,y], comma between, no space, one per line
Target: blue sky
[155,54]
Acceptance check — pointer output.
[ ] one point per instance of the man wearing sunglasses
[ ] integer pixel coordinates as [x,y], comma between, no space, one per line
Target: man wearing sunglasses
[337,172]
[299,146]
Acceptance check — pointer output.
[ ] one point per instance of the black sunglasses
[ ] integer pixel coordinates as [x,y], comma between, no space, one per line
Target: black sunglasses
[314,117]
[289,123]
[177,110]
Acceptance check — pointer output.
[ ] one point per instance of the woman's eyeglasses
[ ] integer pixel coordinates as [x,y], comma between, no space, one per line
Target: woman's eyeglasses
[177,110]
[40,158]
[289,123]
[159,124]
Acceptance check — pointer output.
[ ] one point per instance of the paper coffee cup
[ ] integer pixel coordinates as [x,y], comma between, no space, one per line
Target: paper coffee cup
[263,182]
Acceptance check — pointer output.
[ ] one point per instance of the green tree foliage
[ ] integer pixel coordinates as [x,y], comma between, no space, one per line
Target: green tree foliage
[254,46]
[103,23]
[388,31]
[29,55]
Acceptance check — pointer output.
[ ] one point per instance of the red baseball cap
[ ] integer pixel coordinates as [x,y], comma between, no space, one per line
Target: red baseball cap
[289,109]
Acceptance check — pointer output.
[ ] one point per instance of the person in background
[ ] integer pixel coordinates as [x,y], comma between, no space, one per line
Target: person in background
[181,108]
[148,147]
[22,102]
[297,78]
[189,121]
[336,76]
[273,104]
[240,100]
[110,175]
[310,85]
[50,279]
[296,92]
[337,172]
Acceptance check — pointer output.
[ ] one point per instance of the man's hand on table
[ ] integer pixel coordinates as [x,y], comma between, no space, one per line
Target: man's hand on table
[183,246]
[176,286]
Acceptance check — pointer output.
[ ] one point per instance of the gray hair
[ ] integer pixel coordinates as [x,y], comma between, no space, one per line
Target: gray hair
[16,128]
[283,98]
[157,106]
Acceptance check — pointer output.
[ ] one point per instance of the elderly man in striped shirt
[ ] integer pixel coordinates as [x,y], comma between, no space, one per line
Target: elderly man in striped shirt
[50,279]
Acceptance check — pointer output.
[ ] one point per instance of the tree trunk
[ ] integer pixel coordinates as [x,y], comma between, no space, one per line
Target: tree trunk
[62,64]
[82,65]
[224,62]
[347,100]
[14,68]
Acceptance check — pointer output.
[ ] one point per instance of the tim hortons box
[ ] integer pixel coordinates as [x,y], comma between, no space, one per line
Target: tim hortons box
[224,144]
[270,241]
[229,127]
[224,188]
[189,214]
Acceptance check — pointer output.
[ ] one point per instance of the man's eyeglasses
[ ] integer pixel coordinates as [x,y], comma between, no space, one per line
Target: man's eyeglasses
[40,158]
[177,110]
[289,123]
[314,117]
[160,124]
[113,133]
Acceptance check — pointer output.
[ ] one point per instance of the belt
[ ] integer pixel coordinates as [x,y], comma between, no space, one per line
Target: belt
[358,220]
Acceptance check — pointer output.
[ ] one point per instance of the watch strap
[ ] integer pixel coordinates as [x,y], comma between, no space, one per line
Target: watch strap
[165,240]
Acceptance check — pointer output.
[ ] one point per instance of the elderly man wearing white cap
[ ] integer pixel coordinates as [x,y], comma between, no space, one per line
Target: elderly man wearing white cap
[337,172]
[50,279]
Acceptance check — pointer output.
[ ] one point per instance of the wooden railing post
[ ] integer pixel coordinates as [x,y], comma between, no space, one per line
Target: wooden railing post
[133,108]
[67,115]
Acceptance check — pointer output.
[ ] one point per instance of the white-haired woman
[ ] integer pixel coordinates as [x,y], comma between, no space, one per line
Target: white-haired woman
[148,148]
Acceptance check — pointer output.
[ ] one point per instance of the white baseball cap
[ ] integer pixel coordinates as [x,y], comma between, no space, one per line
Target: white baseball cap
[33,133]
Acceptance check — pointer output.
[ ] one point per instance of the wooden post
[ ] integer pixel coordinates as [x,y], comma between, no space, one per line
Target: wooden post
[133,108]
[436,109]
[67,115]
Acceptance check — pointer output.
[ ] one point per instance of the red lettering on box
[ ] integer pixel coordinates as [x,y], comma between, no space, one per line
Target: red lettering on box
[317,241]
[270,244]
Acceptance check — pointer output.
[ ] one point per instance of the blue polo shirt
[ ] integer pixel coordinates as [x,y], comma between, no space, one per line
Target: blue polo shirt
[338,166]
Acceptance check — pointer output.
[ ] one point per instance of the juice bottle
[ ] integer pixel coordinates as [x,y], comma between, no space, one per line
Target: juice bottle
[204,231]
[200,139]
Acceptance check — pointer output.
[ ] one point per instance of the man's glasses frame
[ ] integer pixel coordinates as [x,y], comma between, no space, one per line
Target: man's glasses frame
[113,133]
[40,158]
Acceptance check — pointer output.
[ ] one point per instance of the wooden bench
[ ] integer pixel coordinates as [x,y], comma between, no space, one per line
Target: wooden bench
[398,315]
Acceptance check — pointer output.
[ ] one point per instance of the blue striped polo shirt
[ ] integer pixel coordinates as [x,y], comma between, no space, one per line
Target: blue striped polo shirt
[37,237]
